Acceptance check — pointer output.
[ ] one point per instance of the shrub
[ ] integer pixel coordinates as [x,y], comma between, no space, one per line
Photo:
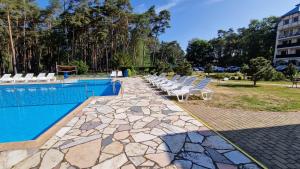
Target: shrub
[291,71]
[129,73]
[278,76]
[208,68]
[82,68]
[183,68]
[219,76]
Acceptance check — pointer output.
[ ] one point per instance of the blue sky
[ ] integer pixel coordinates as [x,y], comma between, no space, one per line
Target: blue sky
[203,18]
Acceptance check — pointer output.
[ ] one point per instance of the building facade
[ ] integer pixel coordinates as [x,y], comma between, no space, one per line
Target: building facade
[288,38]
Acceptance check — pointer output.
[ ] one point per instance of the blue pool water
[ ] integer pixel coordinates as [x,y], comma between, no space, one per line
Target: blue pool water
[26,111]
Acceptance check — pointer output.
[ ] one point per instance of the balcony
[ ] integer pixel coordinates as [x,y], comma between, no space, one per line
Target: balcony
[288,45]
[288,35]
[288,56]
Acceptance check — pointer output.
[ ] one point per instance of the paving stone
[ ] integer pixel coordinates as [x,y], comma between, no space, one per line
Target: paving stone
[137,109]
[195,137]
[135,149]
[193,147]
[137,160]
[217,157]
[105,109]
[148,163]
[153,123]
[109,130]
[118,121]
[106,141]
[89,125]
[104,156]
[15,156]
[133,118]
[162,159]
[174,142]
[124,127]
[172,128]
[30,162]
[62,131]
[140,137]
[121,135]
[80,141]
[226,166]
[114,148]
[199,159]
[173,107]
[65,165]
[51,159]
[129,166]
[157,132]
[182,164]
[198,167]
[217,142]
[84,155]
[113,163]
[237,157]
[163,147]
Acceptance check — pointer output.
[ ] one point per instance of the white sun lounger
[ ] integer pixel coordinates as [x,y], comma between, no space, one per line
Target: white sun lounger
[120,74]
[13,79]
[188,82]
[6,78]
[158,79]
[176,77]
[186,91]
[25,79]
[180,81]
[113,74]
[40,77]
[51,77]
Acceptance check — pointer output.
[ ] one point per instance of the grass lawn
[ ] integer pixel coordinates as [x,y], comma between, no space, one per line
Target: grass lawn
[260,98]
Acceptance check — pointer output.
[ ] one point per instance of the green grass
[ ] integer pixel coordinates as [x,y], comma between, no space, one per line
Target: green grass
[262,97]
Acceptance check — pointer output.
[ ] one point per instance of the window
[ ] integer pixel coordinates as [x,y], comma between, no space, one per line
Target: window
[284,52]
[296,19]
[285,22]
[298,51]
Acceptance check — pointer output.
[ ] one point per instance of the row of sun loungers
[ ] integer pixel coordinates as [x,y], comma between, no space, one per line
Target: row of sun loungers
[18,78]
[181,86]
[116,74]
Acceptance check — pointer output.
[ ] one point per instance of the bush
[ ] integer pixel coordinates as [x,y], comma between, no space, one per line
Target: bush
[208,68]
[219,76]
[291,71]
[183,68]
[82,68]
[279,76]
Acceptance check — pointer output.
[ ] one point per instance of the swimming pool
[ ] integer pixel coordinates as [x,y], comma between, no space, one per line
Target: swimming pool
[27,111]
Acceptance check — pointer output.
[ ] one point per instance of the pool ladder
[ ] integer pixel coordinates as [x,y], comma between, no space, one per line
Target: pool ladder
[88,91]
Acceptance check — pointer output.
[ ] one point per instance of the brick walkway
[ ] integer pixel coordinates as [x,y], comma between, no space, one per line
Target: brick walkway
[273,138]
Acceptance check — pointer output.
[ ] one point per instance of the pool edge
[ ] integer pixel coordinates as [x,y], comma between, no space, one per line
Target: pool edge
[44,137]
[47,134]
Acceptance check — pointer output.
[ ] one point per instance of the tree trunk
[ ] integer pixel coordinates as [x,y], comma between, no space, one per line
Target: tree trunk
[12,45]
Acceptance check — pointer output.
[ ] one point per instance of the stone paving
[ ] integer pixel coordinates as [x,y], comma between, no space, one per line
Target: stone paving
[273,138]
[137,130]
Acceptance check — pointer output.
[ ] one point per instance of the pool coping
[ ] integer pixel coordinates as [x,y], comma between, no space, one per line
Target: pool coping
[45,136]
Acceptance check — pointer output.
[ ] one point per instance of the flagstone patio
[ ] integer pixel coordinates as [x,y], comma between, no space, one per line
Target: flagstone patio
[140,129]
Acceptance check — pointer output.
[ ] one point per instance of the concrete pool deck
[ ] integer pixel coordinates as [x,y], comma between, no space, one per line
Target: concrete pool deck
[140,129]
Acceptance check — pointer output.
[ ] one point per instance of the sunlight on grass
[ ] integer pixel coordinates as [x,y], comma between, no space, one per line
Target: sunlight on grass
[262,98]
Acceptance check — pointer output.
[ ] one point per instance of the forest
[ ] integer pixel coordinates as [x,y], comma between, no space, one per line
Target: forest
[101,34]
